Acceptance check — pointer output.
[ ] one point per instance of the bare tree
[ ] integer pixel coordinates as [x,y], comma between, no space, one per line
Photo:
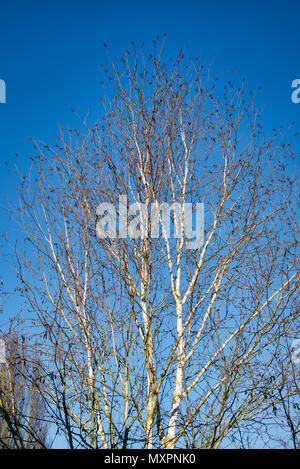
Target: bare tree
[22,410]
[151,341]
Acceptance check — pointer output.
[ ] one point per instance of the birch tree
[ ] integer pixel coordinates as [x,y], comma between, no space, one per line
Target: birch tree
[151,338]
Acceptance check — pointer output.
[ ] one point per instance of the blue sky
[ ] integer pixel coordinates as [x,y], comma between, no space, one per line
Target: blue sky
[51,52]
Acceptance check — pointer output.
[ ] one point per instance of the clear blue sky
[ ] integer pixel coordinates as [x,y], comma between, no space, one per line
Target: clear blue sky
[51,50]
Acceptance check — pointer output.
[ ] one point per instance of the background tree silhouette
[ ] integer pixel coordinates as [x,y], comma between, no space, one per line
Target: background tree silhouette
[23,422]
